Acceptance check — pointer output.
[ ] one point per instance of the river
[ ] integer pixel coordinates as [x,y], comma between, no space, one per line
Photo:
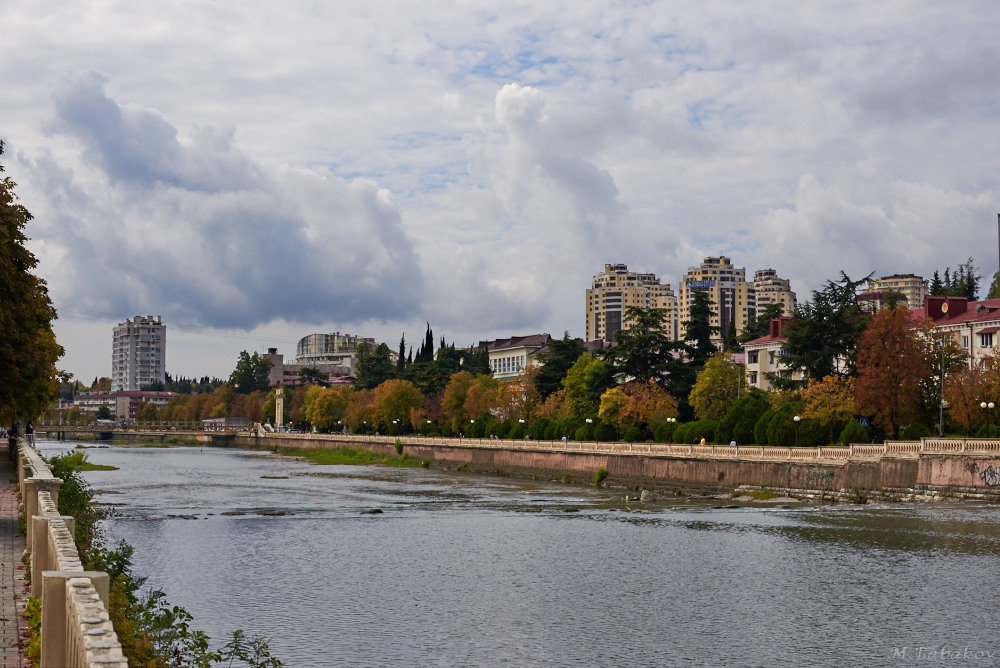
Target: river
[466,570]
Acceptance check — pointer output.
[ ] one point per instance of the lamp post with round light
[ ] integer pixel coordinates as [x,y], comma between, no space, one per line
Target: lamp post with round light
[797,419]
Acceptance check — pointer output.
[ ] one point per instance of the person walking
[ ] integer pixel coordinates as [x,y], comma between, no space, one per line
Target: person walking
[29,431]
[12,435]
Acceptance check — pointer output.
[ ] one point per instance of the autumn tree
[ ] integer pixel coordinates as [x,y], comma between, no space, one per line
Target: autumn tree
[392,402]
[481,398]
[453,400]
[717,387]
[893,358]
[522,395]
[102,384]
[831,401]
[635,403]
[28,348]
[964,391]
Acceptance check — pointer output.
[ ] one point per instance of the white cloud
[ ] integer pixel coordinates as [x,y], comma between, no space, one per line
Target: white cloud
[475,167]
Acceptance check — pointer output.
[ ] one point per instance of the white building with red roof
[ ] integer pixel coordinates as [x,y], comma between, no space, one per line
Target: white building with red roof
[974,325]
[765,357]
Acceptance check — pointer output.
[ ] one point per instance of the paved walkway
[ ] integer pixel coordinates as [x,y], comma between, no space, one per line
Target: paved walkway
[13,590]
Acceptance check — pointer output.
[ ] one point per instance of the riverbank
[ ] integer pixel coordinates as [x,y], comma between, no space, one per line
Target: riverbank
[905,474]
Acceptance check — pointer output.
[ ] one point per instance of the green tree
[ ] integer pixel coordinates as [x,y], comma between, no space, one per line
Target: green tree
[401,360]
[585,382]
[822,337]
[761,325]
[310,375]
[994,292]
[251,373]
[476,361]
[717,387]
[28,348]
[104,413]
[698,330]
[644,351]
[936,285]
[560,356]
[373,367]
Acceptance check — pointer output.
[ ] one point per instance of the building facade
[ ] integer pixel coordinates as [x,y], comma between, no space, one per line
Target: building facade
[733,299]
[508,357]
[617,288]
[911,286]
[764,357]
[138,353]
[975,326]
[333,348]
[769,288]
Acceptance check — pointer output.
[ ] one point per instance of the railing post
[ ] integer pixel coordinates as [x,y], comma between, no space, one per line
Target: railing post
[41,559]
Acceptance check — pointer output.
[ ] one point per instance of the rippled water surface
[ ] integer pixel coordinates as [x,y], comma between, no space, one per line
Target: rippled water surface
[462,570]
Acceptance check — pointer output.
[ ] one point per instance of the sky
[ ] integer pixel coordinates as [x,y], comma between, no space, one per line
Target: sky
[255,172]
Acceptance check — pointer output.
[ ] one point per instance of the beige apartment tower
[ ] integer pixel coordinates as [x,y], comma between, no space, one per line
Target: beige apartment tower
[911,286]
[772,289]
[733,299]
[615,290]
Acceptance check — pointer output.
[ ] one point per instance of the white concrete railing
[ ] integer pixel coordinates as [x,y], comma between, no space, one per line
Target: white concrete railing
[854,451]
[76,628]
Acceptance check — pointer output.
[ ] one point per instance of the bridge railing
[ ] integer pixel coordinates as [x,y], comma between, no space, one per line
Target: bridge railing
[76,627]
[856,451]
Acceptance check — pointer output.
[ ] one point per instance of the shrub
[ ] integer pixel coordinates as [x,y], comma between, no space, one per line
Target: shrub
[552,432]
[568,426]
[914,432]
[583,433]
[738,424]
[599,475]
[854,433]
[538,427]
[812,432]
[517,431]
[447,430]
[634,435]
[399,446]
[664,433]
[681,432]
[702,429]
[604,432]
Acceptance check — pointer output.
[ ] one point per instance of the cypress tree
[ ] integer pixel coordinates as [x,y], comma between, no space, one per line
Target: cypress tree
[401,361]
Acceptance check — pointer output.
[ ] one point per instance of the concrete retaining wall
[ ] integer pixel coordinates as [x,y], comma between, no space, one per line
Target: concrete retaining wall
[906,470]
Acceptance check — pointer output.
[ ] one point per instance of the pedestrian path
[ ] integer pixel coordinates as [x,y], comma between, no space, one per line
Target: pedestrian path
[13,590]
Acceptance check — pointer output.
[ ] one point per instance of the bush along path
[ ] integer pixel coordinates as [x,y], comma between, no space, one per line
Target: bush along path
[151,631]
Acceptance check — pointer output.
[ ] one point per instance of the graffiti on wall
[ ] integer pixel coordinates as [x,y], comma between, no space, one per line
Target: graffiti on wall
[991,476]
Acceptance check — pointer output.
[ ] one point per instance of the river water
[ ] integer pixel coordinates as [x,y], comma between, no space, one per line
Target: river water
[465,570]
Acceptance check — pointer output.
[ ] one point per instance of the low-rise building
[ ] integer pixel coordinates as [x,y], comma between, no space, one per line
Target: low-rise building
[975,326]
[765,357]
[508,357]
[124,404]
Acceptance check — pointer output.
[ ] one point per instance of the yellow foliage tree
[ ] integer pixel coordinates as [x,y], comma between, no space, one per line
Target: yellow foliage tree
[717,387]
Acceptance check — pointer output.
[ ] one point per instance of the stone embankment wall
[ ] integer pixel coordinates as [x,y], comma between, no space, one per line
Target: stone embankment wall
[76,628]
[931,468]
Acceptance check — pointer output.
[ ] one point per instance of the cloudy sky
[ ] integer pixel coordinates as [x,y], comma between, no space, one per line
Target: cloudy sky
[254,172]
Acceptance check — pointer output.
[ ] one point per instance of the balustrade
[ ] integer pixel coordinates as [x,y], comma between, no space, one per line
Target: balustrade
[76,629]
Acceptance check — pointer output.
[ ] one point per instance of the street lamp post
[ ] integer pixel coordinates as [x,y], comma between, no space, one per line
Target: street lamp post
[797,419]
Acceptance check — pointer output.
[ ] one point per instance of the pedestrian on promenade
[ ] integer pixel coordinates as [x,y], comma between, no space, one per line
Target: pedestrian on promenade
[29,431]
[12,434]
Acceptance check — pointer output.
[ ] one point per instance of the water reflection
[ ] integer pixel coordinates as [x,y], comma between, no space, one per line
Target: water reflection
[467,570]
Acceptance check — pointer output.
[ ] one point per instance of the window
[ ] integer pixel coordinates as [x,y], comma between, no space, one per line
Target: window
[965,341]
[752,357]
[986,340]
[753,378]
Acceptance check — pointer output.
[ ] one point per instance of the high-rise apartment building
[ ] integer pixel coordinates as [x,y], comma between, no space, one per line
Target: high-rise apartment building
[913,287]
[616,289]
[733,299]
[772,289]
[138,353]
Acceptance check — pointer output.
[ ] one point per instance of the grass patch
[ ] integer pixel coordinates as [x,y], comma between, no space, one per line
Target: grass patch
[761,494]
[349,457]
[77,461]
